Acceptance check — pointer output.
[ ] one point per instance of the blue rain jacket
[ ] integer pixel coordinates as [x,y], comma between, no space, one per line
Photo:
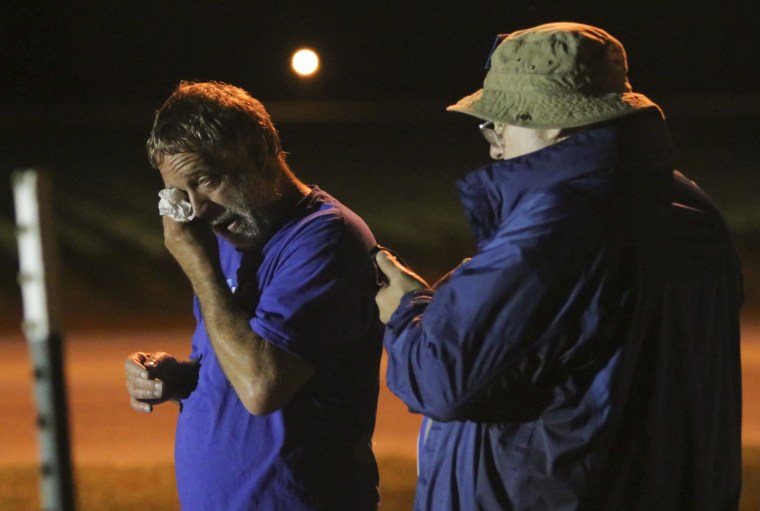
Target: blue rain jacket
[587,357]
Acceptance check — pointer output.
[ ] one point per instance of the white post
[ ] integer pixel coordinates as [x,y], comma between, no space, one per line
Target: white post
[37,277]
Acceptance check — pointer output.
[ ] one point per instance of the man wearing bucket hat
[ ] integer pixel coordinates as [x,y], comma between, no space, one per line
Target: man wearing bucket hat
[587,356]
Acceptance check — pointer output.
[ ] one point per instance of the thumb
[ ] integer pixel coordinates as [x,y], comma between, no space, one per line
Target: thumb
[388,264]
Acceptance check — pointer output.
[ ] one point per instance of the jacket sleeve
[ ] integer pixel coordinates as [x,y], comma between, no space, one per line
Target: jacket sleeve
[518,313]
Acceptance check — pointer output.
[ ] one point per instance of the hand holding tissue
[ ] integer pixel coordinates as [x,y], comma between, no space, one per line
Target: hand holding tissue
[173,203]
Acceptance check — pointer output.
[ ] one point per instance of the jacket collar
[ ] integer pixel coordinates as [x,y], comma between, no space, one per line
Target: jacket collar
[490,193]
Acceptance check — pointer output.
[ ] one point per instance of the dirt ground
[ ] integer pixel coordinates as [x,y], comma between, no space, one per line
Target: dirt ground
[106,431]
[104,428]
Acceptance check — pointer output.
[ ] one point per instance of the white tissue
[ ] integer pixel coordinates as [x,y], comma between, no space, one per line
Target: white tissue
[173,204]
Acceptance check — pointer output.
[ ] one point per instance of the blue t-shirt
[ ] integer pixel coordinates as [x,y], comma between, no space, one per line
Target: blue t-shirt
[311,292]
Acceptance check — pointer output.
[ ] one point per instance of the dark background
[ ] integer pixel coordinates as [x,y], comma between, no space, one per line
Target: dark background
[134,52]
[80,82]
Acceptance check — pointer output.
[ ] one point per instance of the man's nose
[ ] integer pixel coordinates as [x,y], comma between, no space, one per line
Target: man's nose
[199,202]
[497,153]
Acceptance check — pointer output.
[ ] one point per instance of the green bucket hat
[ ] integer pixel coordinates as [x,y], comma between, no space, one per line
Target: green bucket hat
[558,75]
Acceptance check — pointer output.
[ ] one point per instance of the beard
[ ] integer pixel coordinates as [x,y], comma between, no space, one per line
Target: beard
[242,222]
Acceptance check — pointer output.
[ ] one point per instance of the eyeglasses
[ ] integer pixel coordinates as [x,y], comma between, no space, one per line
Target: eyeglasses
[492,133]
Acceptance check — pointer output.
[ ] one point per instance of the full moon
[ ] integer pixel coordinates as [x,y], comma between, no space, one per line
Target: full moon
[305,62]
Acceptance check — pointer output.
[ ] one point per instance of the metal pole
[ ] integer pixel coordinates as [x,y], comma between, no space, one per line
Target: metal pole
[37,277]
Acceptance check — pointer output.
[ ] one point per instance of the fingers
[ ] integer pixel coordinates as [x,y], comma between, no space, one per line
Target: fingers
[389,265]
[401,280]
[386,303]
[397,272]
[133,366]
[155,360]
[146,389]
[142,388]
[140,406]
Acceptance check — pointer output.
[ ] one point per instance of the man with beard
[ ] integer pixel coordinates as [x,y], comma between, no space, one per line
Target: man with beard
[278,396]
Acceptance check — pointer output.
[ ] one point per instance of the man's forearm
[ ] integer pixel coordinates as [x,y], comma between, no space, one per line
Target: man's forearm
[264,376]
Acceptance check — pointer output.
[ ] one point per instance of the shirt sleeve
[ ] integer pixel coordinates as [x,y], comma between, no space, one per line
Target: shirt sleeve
[517,314]
[321,292]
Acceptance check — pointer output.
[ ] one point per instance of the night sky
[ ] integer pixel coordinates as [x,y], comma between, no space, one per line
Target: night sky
[111,52]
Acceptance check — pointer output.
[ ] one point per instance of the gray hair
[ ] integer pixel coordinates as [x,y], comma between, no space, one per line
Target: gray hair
[220,122]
